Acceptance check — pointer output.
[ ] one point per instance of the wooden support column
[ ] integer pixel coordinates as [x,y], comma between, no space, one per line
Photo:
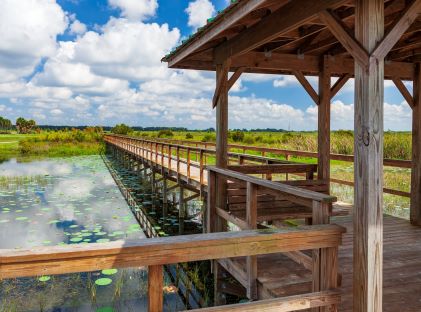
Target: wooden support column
[155,286]
[323,136]
[222,136]
[415,214]
[368,133]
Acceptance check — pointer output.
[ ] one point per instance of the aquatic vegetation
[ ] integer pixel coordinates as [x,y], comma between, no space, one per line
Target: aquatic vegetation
[104,281]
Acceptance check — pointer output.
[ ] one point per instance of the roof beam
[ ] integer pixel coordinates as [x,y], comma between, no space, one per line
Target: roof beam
[242,10]
[281,21]
[277,63]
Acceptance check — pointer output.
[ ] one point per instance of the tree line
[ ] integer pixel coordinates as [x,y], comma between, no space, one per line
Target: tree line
[22,125]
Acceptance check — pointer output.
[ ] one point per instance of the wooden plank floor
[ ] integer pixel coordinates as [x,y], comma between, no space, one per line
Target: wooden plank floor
[279,276]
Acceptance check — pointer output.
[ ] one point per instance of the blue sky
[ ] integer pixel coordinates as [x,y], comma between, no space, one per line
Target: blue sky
[97,62]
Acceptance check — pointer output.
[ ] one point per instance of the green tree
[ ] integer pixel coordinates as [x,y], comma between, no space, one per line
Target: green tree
[5,124]
[25,126]
[122,129]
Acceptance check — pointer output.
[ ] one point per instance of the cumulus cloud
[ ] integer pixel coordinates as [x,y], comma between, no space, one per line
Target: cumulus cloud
[77,28]
[135,9]
[28,31]
[199,11]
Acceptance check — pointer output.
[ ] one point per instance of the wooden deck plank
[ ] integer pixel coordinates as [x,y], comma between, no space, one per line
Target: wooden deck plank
[280,276]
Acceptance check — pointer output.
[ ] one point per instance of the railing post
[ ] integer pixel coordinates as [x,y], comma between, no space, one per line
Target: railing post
[155,288]
[188,163]
[325,262]
[169,157]
[201,167]
[251,217]
[178,163]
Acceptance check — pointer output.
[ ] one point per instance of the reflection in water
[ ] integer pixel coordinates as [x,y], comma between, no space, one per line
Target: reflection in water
[68,201]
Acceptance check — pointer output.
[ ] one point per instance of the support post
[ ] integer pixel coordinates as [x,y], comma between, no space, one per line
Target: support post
[155,285]
[323,138]
[415,214]
[368,170]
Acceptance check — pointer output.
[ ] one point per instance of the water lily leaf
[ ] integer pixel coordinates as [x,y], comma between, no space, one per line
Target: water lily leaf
[103,281]
[109,271]
[44,278]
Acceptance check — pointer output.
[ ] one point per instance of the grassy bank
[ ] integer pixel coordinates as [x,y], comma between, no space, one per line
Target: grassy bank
[52,144]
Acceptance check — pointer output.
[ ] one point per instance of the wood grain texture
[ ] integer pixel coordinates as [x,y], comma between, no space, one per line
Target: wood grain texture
[292,303]
[155,288]
[323,135]
[368,195]
[415,212]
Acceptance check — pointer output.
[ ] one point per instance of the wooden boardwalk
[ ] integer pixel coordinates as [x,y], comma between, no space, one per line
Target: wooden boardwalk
[279,275]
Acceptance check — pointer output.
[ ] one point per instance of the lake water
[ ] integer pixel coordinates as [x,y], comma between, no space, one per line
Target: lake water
[70,201]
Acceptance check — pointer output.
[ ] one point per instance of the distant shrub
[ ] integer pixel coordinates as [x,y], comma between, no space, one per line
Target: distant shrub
[248,139]
[189,136]
[166,133]
[122,129]
[209,137]
[237,136]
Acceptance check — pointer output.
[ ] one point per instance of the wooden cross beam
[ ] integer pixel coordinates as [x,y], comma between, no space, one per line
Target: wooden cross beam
[404,91]
[233,79]
[339,84]
[307,86]
[360,54]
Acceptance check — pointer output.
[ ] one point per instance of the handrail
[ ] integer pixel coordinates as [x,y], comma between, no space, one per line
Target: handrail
[156,252]
[276,186]
[287,153]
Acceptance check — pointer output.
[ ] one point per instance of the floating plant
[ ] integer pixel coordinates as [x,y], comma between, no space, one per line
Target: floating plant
[109,271]
[44,278]
[104,281]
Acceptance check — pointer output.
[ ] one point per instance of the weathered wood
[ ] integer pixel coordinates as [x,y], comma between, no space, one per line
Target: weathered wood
[164,250]
[235,76]
[343,35]
[415,212]
[368,195]
[265,169]
[251,218]
[323,134]
[292,303]
[155,288]
[404,91]
[221,81]
[339,84]
[396,31]
[272,26]
[307,86]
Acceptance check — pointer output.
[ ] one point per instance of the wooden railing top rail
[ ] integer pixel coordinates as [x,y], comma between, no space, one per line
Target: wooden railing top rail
[204,150]
[165,250]
[277,186]
[341,157]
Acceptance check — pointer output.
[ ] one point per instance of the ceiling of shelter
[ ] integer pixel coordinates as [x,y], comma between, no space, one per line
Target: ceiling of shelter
[308,38]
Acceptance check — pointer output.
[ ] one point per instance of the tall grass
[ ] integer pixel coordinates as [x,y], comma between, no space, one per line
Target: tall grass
[397,145]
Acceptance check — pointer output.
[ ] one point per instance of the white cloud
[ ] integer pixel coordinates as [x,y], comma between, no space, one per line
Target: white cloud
[77,28]
[28,30]
[199,11]
[135,9]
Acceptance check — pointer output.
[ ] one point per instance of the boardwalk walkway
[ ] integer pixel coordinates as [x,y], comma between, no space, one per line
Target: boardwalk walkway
[278,275]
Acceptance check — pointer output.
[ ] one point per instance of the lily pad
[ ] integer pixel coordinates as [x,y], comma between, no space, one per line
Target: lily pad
[76,239]
[103,281]
[44,278]
[109,271]
[21,218]
[103,240]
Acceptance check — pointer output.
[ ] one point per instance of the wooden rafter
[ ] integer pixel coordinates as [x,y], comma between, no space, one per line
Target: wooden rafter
[307,86]
[404,91]
[281,21]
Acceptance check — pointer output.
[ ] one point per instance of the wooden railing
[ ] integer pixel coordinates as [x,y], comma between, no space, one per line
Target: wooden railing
[404,164]
[195,159]
[156,252]
[294,200]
